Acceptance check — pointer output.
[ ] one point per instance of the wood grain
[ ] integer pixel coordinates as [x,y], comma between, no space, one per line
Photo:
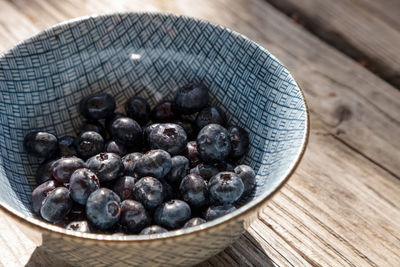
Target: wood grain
[342,206]
[360,29]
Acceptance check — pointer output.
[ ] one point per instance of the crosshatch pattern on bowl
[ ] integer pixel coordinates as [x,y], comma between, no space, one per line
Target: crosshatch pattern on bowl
[149,55]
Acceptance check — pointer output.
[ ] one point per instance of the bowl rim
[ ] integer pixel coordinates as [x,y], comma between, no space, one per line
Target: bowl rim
[250,206]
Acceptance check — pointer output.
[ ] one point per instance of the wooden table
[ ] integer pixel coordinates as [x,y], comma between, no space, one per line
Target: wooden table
[342,206]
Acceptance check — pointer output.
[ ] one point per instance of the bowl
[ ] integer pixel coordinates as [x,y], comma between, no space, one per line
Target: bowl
[149,55]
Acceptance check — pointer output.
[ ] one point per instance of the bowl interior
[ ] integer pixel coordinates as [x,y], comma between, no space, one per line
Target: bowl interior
[149,55]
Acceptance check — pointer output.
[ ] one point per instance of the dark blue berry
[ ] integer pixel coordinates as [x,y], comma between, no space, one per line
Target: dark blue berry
[127,131]
[64,167]
[115,147]
[240,141]
[82,183]
[210,115]
[149,191]
[89,144]
[169,192]
[204,170]
[107,166]
[97,106]
[40,193]
[66,146]
[45,172]
[189,128]
[180,167]
[214,212]
[191,153]
[123,187]
[93,126]
[190,98]
[155,163]
[146,133]
[154,229]
[248,176]
[109,121]
[41,144]
[79,226]
[194,221]
[172,214]
[163,112]
[194,191]
[226,187]
[134,216]
[138,109]
[213,143]
[226,166]
[103,208]
[129,161]
[169,137]
[56,205]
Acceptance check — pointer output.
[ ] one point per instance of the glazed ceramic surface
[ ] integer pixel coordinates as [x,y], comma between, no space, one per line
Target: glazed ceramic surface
[148,55]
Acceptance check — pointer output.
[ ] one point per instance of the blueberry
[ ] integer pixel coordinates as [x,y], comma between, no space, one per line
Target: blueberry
[40,193]
[193,222]
[146,133]
[180,167]
[204,170]
[154,229]
[169,137]
[138,109]
[169,192]
[248,176]
[97,106]
[210,115]
[226,166]
[240,141]
[149,191]
[213,143]
[194,191]
[89,144]
[127,131]
[155,163]
[77,212]
[56,205]
[192,153]
[115,147]
[134,216]
[109,121]
[64,167]
[129,161]
[45,172]
[188,127]
[79,226]
[214,212]
[123,187]
[66,146]
[190,98]
[163,112]
[226,187]
[172,214]
[41,144]
[107,166]
[82,183]
[103,208]
[93,126]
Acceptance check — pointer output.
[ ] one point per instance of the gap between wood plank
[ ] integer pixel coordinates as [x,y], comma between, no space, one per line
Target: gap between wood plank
[339,39]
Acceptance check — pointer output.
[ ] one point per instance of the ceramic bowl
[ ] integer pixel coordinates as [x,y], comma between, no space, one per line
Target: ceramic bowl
[148,55]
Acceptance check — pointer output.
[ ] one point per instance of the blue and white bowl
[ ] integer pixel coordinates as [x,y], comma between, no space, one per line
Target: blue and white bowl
[149,55]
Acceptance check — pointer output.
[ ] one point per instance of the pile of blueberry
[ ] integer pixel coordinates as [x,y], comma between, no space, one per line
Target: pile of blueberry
[125,174]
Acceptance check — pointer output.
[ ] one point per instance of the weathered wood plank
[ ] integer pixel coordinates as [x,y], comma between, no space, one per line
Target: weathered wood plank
[356,28]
